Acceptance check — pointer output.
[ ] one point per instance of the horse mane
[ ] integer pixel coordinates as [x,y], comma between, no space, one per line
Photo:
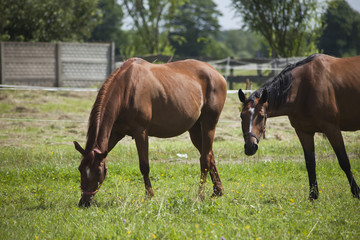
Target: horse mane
[279,86]
[99,107]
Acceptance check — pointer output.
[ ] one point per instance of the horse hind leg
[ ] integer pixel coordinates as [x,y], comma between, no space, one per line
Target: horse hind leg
[142,145]
[337,142]
[202,136]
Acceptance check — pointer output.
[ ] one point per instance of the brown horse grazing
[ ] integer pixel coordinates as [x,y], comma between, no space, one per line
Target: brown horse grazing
[318,95]
[141,99]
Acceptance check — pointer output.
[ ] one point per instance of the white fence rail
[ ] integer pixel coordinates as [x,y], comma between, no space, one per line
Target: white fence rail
[68,89]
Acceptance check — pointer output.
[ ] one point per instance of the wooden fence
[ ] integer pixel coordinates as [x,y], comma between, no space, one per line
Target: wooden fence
[55,64]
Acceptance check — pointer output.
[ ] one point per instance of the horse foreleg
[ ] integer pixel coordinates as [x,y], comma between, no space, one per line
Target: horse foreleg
[307,142]
[196,139]
[114,139]
[142,145]
[337,142]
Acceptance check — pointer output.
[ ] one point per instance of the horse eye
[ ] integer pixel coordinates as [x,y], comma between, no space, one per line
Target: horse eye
[260,117]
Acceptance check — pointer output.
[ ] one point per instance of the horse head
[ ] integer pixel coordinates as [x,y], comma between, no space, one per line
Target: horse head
[93,172]
[253,120]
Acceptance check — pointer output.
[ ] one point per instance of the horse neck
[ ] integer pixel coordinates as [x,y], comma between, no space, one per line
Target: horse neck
[280,106]
[282,110]
[105,132]
[99,138]
[102,118]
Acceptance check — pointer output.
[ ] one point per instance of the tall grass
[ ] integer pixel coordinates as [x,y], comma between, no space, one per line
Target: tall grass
[265,195]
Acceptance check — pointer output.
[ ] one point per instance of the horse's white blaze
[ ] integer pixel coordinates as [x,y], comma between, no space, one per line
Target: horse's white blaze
[251,118]
[88,172]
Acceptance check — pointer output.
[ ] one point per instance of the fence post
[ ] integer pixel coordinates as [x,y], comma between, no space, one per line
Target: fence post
[58,76]
[227,67]
[112,57]
[2,63]
[231,78]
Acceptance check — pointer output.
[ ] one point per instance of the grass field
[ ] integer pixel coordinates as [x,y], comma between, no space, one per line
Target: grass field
[265,195]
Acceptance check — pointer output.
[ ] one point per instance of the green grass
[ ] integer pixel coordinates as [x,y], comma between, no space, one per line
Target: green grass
[265,195]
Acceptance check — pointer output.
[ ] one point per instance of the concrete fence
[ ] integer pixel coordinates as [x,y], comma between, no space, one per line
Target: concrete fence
[55,64]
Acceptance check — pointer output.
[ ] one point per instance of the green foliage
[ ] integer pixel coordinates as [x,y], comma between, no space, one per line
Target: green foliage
[42,20]
[289,27]
[215,49]
[242,44]
[151,22]
[110,28]
[192,29]
[341,30]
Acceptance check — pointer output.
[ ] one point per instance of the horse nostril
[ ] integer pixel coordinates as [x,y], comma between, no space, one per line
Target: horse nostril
[85,203]
[250,148]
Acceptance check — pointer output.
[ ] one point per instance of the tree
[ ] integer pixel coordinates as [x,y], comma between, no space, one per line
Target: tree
[43,20]
[341,30]
[110,28]
[193,27]
[289,27]
[243,44]
[151,21]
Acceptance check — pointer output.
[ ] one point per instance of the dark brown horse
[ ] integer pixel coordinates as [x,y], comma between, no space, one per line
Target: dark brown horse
[141,99]
[318,94]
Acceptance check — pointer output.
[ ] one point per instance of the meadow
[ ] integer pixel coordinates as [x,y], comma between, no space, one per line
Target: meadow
[265,195]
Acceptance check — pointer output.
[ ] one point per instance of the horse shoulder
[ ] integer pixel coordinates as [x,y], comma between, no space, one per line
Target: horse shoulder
[312,93]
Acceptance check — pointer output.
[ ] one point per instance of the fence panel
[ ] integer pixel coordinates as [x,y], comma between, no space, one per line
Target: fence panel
[55,64]
[28,63]
[84,65]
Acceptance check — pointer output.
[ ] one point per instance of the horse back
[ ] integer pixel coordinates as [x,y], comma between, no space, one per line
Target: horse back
[329,90]
[168,99]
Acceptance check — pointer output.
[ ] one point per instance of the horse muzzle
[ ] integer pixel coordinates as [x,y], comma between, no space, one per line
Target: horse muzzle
[86,198]
[250,148]
[85,201]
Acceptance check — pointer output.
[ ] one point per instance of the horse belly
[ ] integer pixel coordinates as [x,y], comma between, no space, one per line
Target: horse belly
[170,122]
[348,111]
[350,122]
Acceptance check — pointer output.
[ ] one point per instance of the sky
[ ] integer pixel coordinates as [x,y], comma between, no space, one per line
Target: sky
[230,21]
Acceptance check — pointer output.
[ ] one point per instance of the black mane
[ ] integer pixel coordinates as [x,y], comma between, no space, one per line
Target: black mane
[278,87]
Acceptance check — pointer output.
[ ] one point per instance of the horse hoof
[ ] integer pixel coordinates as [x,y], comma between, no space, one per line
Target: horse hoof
[356,192]
[217,193]
[149,194]
[202,196]
[214,196]
[313,196]
[356,195]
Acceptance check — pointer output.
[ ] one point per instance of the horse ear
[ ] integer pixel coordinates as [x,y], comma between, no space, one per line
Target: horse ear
[241,96]
[79,148]
[264,97]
